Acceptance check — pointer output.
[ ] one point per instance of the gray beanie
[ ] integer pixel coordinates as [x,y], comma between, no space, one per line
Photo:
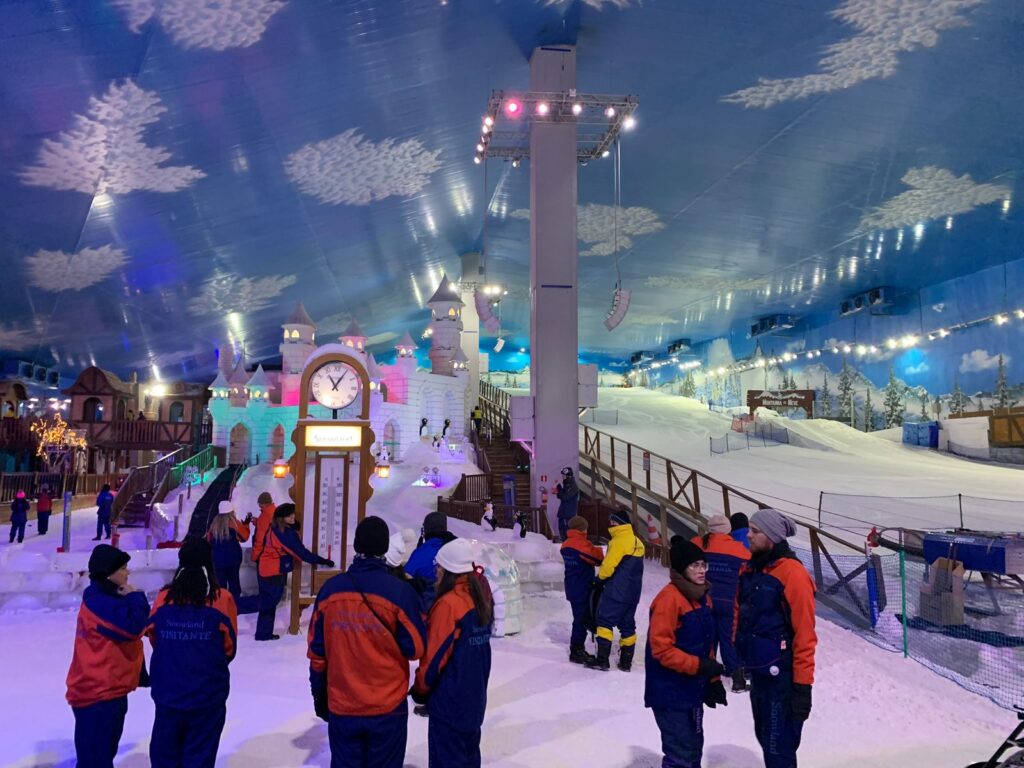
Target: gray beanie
[773,524]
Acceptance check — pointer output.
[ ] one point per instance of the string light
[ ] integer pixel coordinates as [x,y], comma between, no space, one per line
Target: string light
[1001,319]
[56,436]
[629,123]
[542,108]
[577,109]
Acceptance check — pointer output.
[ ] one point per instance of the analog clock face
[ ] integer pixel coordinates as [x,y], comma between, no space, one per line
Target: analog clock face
[335,385]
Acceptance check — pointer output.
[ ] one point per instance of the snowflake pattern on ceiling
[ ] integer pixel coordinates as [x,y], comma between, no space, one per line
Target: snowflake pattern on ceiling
[595,226]
[934,192]
[57,271]
[230,293]
[596,4]
[214,24]
[353,170]
[17,339]
[104,152]
[705,283]
[886,28]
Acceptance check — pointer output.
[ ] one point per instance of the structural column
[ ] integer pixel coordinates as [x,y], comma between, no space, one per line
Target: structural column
[553,291]
[471,324]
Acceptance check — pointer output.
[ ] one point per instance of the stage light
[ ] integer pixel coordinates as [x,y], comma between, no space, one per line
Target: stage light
[483,309]
[542,108]
[629,123]
[476,159]
[479,147]
[513,107]
[605,153]
[620,306]
[577,108]
[515,163]
[522,349]
[485,128]
[499,345]
[488,121]
[1001,319]
[610,112]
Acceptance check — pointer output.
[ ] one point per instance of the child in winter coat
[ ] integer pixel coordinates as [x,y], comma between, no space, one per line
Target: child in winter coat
[725,557]
[580,558]
[192,630]
[19,517]
[107,661]
[682,674]
[421,563]
[104,505]
[44,507]
[452,678]
[620,582]
[282,546]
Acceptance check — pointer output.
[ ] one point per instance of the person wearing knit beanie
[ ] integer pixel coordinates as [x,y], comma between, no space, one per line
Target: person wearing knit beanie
[420,566]
[400,546]
[740,528]
[371,538]
[773,524]
[680,625]
[719,524]
[106,560]
[580,558]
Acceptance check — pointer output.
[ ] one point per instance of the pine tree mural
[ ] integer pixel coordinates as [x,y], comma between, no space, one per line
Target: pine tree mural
[845,391]
[825,396]
[869,414]
[957,401]
[893,402]
[1002,390]
[924,406]
[689,387]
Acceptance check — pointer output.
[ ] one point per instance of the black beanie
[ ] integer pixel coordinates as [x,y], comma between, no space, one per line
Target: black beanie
[195,552]
[684,553]
[739,520]
[435,524]
[284,510]
[372,537]
[106,559]
[619,517]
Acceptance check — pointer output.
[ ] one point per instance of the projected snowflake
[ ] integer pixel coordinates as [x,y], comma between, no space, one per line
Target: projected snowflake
[886,28]
[57,271]
[934,192]
[597,4]
[230,293]
[350,169]
[595,226]
[214,24]
[15,339]
[104,153]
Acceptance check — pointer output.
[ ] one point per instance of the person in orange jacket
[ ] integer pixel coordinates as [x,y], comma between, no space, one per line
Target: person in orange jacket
[452,678]
[725,557]
[581,557]
[682,674]
[365,629]
[281,546]
[266,504]
[775,637]
[107,663]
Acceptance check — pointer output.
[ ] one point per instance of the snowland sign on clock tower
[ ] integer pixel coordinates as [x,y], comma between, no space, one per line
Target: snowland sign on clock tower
[338,451]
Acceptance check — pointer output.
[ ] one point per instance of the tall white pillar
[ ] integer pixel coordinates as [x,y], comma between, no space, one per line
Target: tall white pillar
[554,332]
[471,325]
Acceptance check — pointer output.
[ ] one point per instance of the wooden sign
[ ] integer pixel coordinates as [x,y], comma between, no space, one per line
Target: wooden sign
[786,398]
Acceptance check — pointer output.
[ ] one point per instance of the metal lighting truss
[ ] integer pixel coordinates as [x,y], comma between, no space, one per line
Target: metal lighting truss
[508,135]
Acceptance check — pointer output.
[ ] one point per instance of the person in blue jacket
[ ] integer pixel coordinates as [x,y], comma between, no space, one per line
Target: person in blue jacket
[19,517]
[682,674]
[452,678]
[568,494]
[104,505]
[420,567]
[580,558]
[740,529]
[193,630]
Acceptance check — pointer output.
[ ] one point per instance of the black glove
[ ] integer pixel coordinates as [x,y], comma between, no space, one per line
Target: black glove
[800,702]
[320,705]
[715,694]
[708,667]
[327,563]
[419,698]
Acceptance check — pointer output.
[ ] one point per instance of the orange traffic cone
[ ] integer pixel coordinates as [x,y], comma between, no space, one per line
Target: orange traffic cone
[653,535]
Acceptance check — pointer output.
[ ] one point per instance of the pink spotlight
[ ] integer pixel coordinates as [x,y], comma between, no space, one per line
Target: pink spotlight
[513,107]
[542,108]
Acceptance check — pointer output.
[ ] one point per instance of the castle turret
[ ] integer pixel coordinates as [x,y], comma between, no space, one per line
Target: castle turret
[298,344]
[258,387]
[445,327]
[237,381]
[353,337]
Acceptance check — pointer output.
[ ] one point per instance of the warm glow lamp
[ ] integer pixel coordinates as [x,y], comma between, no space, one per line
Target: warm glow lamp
[280,469]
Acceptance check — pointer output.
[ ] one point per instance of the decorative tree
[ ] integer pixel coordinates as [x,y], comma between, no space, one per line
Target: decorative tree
[846,391]
[689,387]
[1002,390]
[869,414]
[826,399]
[957,400]
[57,443]
[626,381]
[893,402]
[924,406]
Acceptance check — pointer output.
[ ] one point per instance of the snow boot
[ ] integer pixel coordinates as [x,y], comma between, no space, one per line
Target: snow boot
[604,651]
[578,654]
[739,682]
[626,657]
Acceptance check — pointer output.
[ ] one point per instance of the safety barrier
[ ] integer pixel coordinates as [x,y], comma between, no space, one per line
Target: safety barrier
[969,452]
[609,416]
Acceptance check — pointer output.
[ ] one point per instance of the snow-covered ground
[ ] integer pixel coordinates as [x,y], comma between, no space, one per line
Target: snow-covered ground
[872,709]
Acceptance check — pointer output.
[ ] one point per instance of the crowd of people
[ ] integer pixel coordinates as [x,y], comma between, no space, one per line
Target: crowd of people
[402,602]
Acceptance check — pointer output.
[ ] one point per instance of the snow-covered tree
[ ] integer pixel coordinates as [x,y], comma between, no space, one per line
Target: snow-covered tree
[626,381]
[1002,390]
[689,387]
[845,388]
[869,414]
[825,395]
[893,402]
[958,400]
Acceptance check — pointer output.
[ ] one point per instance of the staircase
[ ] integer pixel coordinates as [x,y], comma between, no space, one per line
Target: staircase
[501,456]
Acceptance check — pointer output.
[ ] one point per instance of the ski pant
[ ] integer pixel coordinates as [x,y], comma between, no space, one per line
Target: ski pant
[228,578]
[613,613]
[777,733]
[563,528]
[451,748]
[369,742]
[102,525]
[580,622]
[186,738]
[42,522]
[682,736]
[98,730]
[17,531]
[271,591]
[724,617]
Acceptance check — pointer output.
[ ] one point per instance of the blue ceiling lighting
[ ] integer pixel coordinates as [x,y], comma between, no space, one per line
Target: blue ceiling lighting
[175,176]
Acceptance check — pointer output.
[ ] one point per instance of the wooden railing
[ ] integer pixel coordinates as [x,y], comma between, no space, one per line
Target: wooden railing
[472,488]
[145,479]
[143,435]
[16,433]
[202,462]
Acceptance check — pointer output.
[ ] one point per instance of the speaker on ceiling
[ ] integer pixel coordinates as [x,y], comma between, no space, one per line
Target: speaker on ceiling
[620,306]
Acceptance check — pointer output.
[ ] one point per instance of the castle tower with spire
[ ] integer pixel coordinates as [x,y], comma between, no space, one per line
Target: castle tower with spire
[445,327]
[296,347]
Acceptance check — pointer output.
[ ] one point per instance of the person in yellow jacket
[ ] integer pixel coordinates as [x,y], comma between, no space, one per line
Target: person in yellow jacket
[619,582]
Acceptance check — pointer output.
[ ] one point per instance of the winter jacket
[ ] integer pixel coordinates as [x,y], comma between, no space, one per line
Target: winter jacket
[104,502]
[421,568]
[44,503]
[107,658]
[263,523]
[227,553]
[580,557]
[775,617]
[281,547]
[192,647]
[360,645]
[568,498]
[742,535]
[622,571]
[19,511]
[725,557]
[457,664]
[682,631]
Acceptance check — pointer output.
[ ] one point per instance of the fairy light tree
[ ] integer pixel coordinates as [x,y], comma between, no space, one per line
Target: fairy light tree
[57,442]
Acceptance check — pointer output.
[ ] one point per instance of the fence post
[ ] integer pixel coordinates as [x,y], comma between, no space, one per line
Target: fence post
[960,502]
[629,461]
[696,490]
[65,536]
[725,501]
[821,495]
[903,597]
